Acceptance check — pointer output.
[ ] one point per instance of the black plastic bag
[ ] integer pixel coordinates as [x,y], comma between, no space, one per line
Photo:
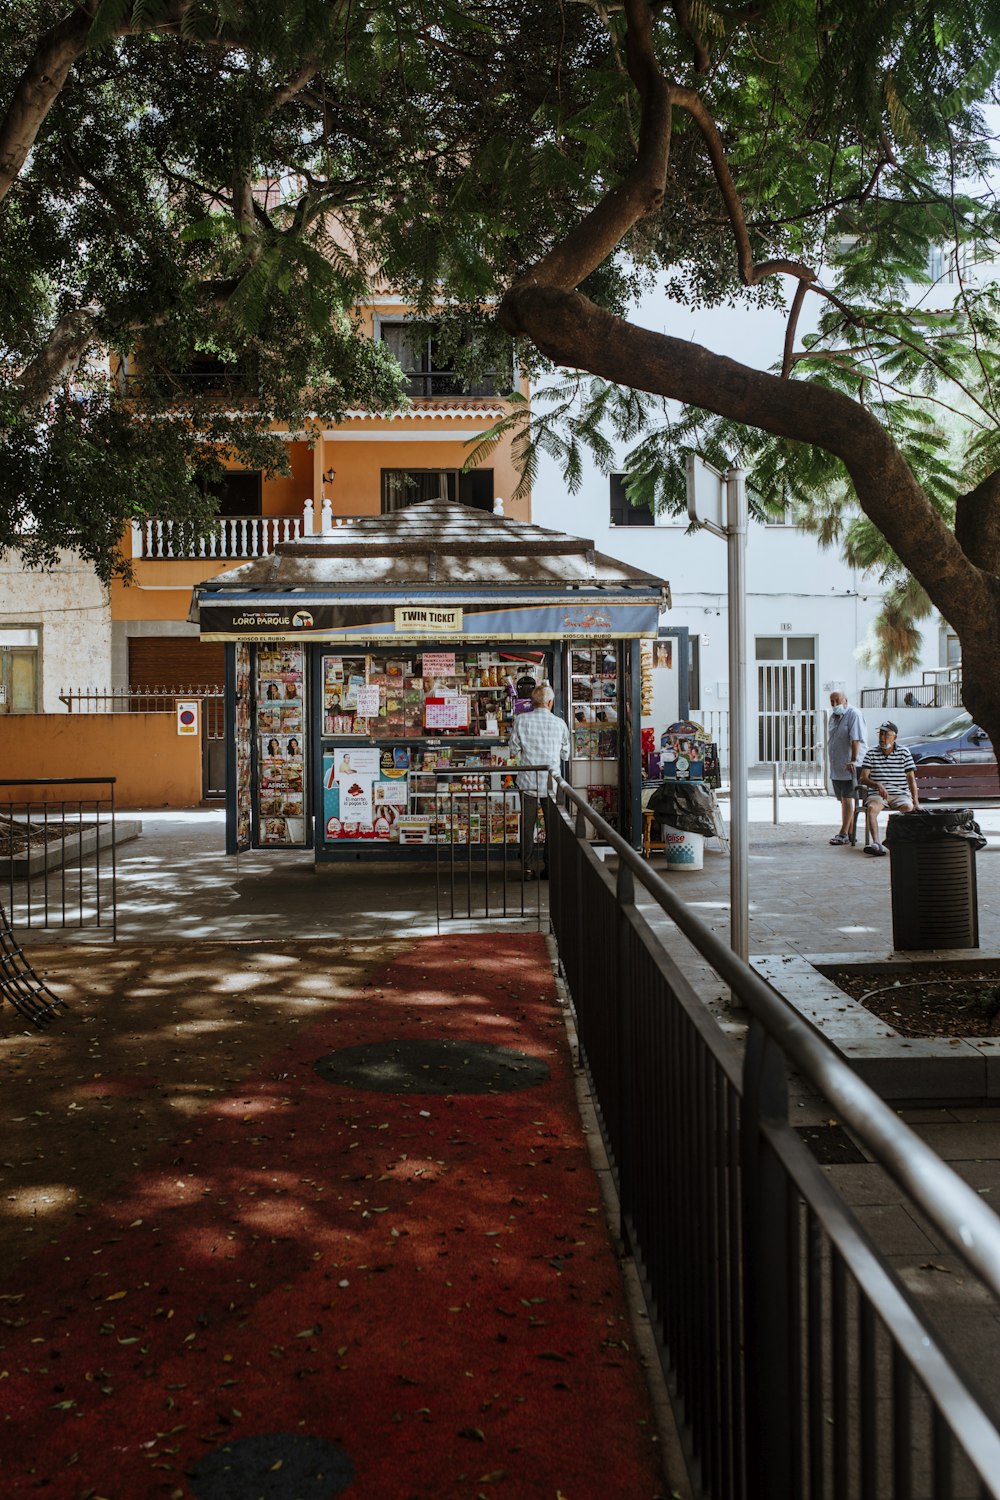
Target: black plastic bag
[927,825]
[686,805]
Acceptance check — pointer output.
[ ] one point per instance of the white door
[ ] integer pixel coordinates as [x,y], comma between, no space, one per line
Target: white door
[788,730]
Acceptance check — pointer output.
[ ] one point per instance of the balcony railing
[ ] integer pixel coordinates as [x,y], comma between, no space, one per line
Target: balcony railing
[239,386]
[231,537]
[939,687]
[438,383]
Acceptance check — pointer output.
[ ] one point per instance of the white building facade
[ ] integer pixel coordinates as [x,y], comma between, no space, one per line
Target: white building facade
[807,614]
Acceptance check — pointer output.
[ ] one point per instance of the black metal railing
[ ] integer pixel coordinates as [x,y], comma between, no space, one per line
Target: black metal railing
[151,699]
[477,830]
[800,1365]
[438,383]
[58,853]
[229,384]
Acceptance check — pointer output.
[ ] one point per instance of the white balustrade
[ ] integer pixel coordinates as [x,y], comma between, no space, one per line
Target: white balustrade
[232,537]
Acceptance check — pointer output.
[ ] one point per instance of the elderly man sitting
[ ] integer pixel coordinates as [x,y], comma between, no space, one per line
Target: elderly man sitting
[889,773]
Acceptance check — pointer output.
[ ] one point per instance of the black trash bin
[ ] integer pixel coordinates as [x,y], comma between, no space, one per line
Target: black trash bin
[933,878]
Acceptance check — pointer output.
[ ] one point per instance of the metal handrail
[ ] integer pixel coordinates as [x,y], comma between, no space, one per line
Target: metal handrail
[799,1360]
[58,903]
[955,1209]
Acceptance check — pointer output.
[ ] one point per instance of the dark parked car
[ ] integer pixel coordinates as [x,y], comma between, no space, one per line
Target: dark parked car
[958,741]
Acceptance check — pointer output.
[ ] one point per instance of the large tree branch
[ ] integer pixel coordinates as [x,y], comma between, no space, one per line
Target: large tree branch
[39,87]
[977,523]
[59,358]
[293,86]
[43,79]
[752,273]
[642,190]
[573,331]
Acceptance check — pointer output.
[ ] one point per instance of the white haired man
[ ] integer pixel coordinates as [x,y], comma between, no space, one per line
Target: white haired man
[846,748]
[538,738]
[889,771]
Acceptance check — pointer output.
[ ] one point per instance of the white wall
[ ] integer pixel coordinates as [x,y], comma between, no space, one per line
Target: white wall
[71,609]
[793,588]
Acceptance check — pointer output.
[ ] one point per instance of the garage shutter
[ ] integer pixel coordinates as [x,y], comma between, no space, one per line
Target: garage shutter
[175,662]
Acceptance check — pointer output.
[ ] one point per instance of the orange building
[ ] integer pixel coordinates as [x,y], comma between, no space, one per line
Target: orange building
[366,465]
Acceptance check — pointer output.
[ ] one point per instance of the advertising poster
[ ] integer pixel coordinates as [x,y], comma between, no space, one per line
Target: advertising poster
[349,778]
[244,789]
[280,744]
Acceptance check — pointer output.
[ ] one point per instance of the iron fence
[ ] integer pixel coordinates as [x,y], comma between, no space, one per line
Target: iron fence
[793,739]
[916,695]
[151,699]
[479,839]
[58,853]
[800,1365]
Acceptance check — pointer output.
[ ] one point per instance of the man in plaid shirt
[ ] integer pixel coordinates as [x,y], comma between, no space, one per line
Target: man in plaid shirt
[539,738]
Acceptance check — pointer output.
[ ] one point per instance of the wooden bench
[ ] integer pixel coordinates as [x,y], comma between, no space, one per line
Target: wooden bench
[944,781]
[967,785]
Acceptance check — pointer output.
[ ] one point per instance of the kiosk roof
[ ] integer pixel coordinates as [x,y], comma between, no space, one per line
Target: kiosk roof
[435,544]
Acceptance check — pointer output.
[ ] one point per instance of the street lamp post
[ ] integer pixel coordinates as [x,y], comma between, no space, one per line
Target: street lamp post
[735,533]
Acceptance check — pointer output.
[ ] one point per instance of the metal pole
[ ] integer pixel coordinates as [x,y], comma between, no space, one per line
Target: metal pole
[736,547]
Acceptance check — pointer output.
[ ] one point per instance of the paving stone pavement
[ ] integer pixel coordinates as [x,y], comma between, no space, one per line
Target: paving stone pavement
[806,897]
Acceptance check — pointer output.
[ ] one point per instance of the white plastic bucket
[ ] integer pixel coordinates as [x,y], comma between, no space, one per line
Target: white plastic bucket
[684,851]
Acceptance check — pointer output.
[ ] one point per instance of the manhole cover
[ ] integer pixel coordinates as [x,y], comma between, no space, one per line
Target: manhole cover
[432,1067]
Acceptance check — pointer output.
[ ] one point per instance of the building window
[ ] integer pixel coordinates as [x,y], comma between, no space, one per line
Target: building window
[624,514]
[427,371]
[403,487]
[237,493]
[19,653]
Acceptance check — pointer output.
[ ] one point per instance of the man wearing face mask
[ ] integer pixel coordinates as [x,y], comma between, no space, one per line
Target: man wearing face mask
[846,747]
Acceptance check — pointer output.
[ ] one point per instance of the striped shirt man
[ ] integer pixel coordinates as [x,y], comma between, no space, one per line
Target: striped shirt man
[888,769]
[889,773]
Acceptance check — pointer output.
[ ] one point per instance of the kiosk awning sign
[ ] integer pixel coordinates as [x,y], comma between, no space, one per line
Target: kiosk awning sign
[425,619]
[383,620]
